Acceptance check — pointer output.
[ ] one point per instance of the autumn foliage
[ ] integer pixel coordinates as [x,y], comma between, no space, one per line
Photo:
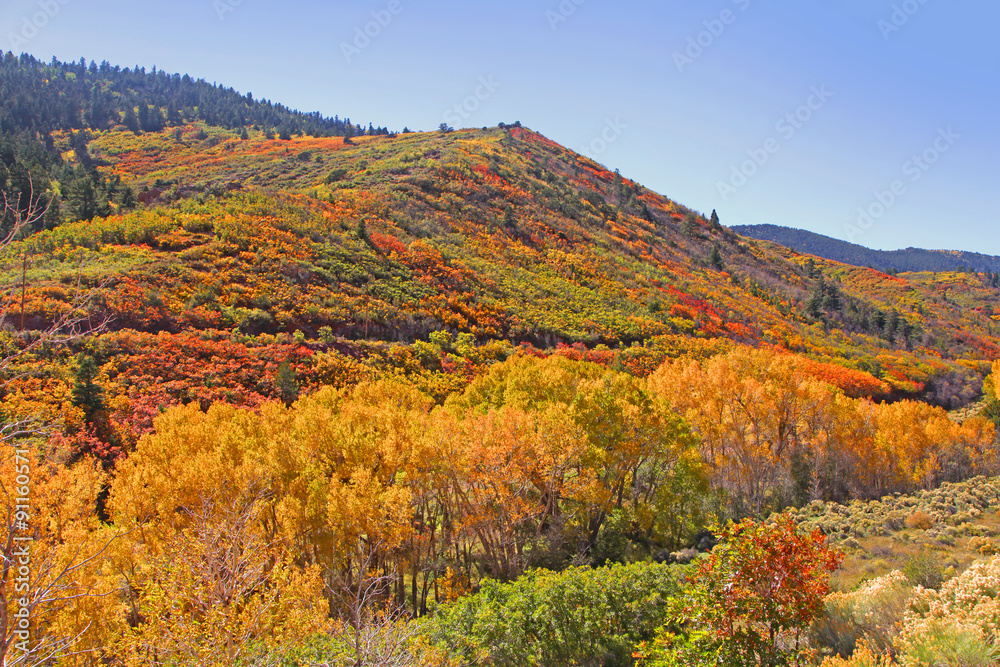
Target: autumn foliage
[330,386]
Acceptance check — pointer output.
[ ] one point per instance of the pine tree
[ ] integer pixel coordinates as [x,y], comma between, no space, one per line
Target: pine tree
[509,219]
[86,393]
[83,198]
[690,225]
[716,258]
[815,305]
[716,225]
[126,199]
[131,121]
[287,383]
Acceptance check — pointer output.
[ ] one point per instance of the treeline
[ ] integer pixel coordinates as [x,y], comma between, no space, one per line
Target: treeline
[774,435]
[889,261]
[40,98]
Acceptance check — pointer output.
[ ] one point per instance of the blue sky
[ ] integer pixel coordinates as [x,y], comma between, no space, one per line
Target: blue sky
[803,113]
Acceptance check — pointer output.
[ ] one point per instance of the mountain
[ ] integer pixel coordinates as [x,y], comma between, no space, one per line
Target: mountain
[275,396]
[909,259]
[233,265]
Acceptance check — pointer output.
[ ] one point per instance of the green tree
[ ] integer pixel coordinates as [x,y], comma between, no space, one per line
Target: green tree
[716,258]
[992,409]
[691,225]
[83,198]
[509,219]
[716,225]
[131,120]
[87,394]
[580,616]
[287,383]
[126,199]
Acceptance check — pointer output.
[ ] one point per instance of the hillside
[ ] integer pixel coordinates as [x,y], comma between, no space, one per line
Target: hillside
[909,259]
[302,397]
[482,235]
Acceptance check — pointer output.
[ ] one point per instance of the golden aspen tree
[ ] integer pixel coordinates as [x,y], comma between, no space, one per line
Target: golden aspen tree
[52,546]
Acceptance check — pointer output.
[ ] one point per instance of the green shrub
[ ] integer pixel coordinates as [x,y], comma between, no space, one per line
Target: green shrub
[924,569]
[581,616]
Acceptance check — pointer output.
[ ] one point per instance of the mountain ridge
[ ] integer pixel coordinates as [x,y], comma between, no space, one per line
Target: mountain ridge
[905,259]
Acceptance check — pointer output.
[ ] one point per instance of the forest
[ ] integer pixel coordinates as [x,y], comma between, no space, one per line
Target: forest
[890,261]
[281,390]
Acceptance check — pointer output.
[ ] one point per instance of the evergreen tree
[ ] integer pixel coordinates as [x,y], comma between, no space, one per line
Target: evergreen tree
[509,219]
[690,225]
[86,393]
[83,199]
[126,199]
[131,121]
[287,383]
[716,225]
[716,258]
[815,305]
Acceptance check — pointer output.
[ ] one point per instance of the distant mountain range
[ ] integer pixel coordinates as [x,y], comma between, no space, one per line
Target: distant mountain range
[909,259]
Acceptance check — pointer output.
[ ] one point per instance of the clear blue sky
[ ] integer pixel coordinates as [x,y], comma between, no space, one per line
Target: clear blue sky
[679,120]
